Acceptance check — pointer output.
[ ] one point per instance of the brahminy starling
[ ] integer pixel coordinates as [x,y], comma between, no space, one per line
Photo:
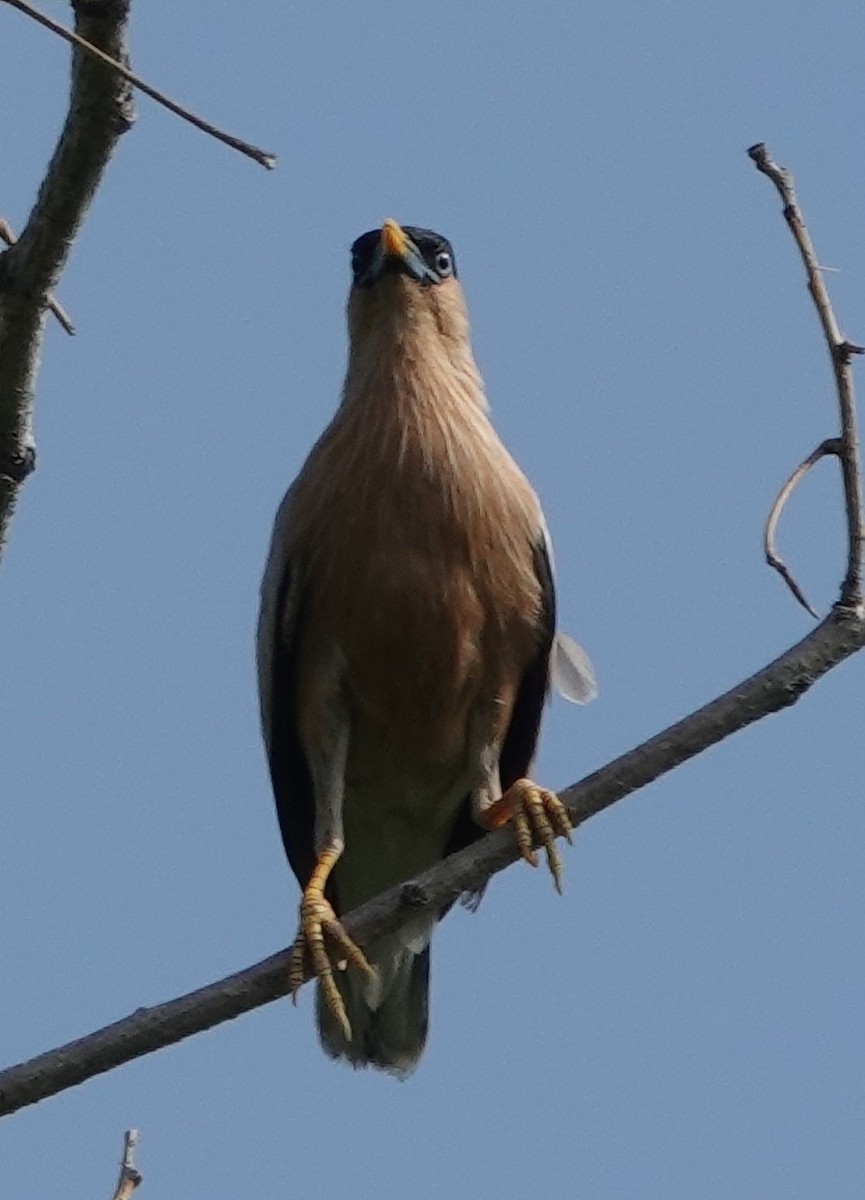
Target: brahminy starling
[406,643]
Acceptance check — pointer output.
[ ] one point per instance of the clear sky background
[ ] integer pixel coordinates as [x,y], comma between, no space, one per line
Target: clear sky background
[687,1020]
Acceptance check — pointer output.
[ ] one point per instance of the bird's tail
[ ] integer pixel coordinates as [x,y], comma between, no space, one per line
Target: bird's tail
[388,1018]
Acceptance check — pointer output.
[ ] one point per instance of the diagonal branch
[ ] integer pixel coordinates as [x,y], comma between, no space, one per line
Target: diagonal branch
[779,684]
[263,157]
[100,110]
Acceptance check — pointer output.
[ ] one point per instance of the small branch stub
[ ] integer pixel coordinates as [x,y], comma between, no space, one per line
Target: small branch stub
[130,1176]
[7,236]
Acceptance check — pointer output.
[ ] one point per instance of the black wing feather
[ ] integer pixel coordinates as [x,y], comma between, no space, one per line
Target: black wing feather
[289,770]
[521,739]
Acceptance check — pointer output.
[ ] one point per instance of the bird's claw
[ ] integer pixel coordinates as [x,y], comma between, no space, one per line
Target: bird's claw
[538,817]
[318,919]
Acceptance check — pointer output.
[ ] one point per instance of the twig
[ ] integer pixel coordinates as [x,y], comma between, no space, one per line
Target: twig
[779,684]
[264,157]
[841,351]
[8,237]
[130,1176]
[829,446]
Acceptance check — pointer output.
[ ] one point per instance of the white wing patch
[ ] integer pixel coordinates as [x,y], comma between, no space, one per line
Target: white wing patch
[571,670]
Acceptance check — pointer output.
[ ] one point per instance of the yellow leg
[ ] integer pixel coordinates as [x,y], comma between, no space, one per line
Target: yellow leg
[538,817]
[317,918]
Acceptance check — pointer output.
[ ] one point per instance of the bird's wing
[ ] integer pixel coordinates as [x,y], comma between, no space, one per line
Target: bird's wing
[571,672]
[518,748]
[560,662]
[279,624]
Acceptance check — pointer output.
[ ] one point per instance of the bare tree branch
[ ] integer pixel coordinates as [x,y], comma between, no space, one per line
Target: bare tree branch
[264,157]
[100,110]
[779,684]
[841,351]
[130,1176]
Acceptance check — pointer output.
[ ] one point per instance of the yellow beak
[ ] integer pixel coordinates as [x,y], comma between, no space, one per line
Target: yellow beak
[394,242]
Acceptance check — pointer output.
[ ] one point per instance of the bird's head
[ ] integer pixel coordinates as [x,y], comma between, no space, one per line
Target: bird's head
[404,280]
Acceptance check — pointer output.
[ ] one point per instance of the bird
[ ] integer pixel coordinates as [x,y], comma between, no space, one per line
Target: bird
[406,644]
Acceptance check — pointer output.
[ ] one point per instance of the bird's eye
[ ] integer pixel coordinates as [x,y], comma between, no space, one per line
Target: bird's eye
[444,264]
[355,264]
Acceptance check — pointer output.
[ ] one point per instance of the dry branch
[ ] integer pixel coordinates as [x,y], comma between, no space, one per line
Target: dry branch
[841,351]
[779,684]
[264,157]
[100,110]
[130,1176]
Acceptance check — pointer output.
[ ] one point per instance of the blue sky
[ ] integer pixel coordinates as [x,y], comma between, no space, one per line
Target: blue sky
[686,1020]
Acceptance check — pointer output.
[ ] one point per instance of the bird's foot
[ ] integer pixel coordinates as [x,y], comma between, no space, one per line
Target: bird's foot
[318,919]
[538,817]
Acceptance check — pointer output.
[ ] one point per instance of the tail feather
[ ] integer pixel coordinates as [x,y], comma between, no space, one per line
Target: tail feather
[389,1019]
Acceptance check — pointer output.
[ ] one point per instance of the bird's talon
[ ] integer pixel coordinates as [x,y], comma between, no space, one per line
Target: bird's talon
[317,921]
[538,817]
